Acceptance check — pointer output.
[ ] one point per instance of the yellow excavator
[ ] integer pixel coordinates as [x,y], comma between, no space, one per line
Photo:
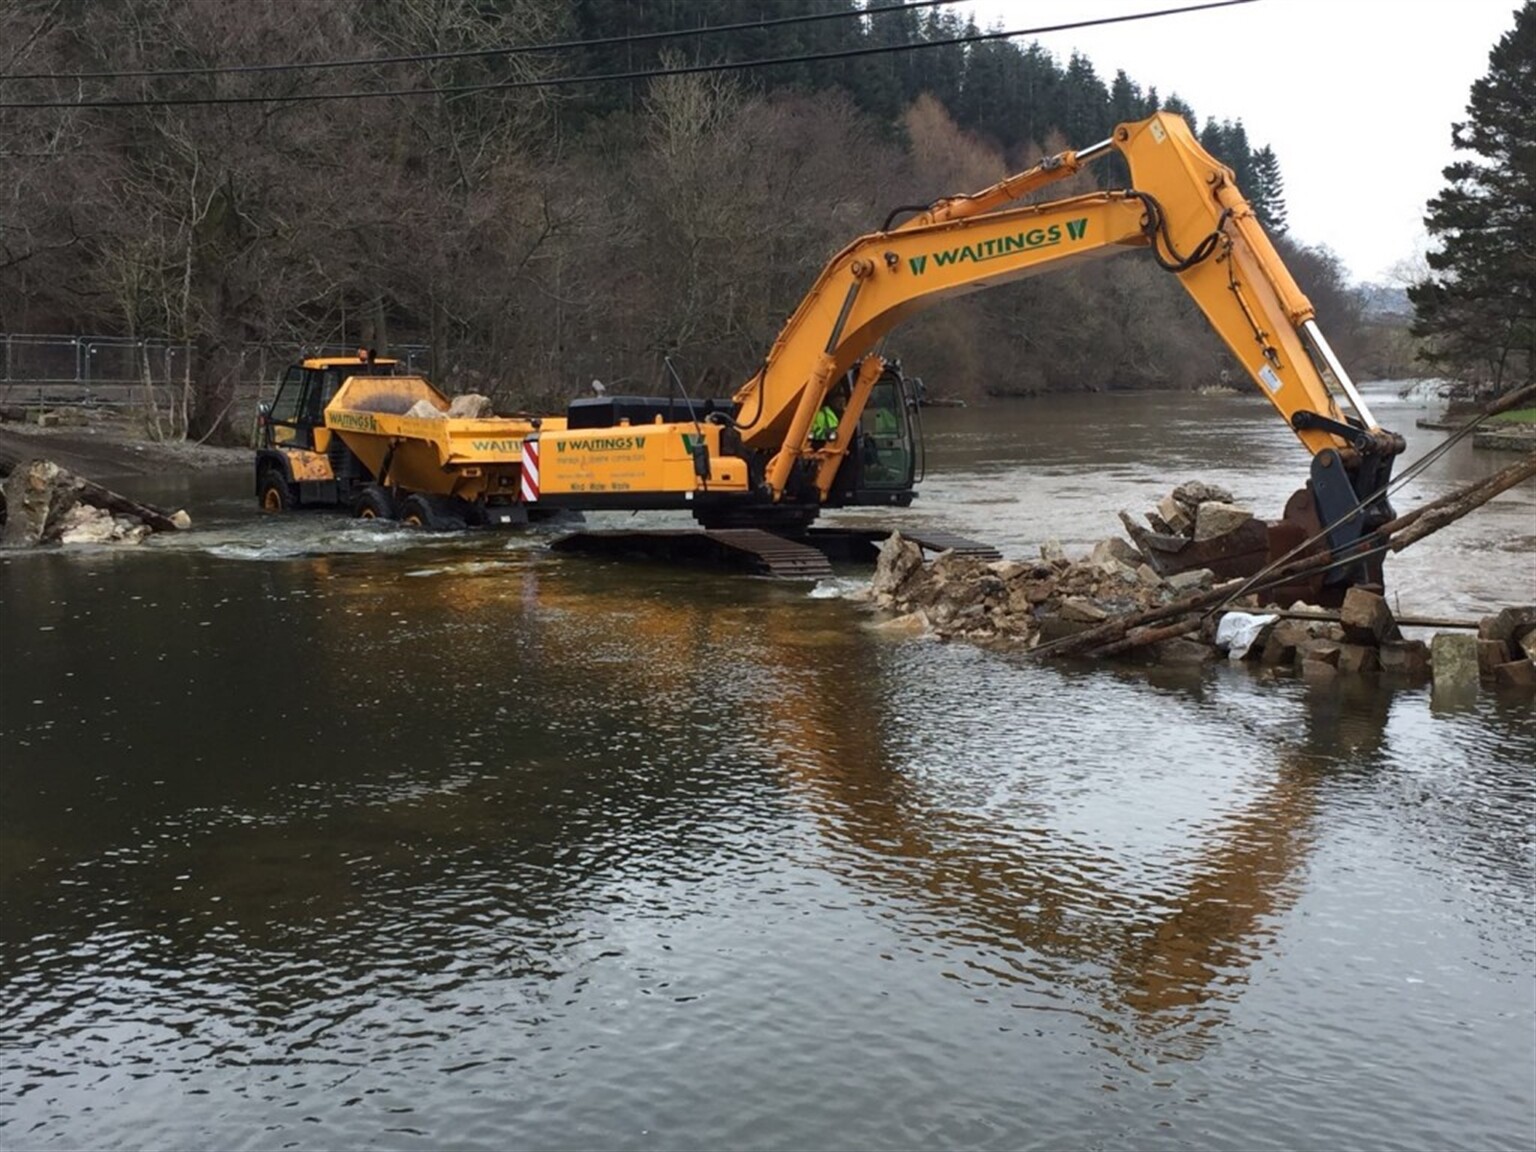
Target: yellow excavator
[762,460]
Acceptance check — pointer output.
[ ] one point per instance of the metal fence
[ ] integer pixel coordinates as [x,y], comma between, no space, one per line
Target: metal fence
[54,371]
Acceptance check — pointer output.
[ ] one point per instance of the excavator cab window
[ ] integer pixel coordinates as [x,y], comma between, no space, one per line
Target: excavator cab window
[885,437]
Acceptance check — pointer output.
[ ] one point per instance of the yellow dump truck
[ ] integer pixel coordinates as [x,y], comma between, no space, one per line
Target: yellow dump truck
[349,432]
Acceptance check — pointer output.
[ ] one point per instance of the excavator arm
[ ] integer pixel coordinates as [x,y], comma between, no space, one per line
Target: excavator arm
[1183,206]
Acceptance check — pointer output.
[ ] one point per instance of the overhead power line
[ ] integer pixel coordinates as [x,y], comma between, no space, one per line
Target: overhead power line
[472,53]
[612,77]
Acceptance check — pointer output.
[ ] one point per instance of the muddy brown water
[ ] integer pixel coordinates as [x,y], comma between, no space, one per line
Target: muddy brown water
[318,834]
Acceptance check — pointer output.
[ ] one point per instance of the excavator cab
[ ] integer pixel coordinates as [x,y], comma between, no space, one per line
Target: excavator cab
[887,444]
[883,462]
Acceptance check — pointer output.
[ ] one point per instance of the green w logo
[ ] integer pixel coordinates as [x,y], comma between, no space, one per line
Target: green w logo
[691,442]
[918,263]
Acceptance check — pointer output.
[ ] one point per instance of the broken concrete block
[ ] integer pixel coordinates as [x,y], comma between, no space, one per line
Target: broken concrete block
[1079,608]
[1453,661]
[1191,581]
[1114,550]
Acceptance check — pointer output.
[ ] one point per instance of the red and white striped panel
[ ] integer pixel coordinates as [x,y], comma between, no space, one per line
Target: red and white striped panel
[530,471]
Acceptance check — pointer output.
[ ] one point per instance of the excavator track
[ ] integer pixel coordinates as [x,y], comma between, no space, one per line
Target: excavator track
[749,550]
[763,553]
[938,540]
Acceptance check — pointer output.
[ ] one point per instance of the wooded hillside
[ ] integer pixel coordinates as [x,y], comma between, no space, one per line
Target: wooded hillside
[538,235]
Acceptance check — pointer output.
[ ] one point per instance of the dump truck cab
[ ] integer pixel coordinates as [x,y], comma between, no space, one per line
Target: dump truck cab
[306,388]
[291,469]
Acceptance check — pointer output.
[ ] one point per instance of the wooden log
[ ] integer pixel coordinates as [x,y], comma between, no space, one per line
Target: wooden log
[1416,525]
[1140,637]
[1324,616]
[119,505]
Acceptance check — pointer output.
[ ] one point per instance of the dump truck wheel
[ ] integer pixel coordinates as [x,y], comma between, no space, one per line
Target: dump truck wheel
[374,503]
[420,511]
[273,493]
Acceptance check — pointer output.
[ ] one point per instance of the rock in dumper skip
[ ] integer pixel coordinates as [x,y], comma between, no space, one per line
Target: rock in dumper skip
[42,503]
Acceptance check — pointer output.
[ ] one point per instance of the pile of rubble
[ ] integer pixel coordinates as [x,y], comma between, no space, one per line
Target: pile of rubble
[1029,603]
[1045,603]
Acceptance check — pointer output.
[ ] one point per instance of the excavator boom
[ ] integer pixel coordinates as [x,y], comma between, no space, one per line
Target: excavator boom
[1183,205]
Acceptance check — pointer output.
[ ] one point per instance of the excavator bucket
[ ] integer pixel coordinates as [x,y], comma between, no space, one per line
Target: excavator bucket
[1246,551]
[1239,553]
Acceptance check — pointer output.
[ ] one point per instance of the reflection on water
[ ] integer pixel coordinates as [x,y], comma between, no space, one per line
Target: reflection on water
[325,835]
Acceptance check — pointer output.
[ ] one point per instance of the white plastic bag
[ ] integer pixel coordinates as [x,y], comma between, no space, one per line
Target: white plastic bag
[1237,632]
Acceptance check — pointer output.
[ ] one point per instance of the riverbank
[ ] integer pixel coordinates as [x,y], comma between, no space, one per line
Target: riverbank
[101,445]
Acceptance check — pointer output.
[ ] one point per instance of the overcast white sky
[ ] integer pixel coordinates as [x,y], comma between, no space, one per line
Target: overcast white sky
[1356,97]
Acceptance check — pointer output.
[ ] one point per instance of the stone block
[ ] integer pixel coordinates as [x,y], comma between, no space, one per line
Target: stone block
[1056,628]
[1453,661]
[1508,624]
[1408,658]
[1183,652]
[1317,670]
[1279,650]
[1197,492]
[1192,581]
[1358,658]
[1175,516]
[1319,651]
[1367,618]
[1490,654]
[1080,609]
[1115,550]
[899,560]
[1516,674]
[1214,518]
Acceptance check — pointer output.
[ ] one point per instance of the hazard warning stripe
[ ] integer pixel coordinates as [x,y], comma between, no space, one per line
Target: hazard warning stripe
[530,484]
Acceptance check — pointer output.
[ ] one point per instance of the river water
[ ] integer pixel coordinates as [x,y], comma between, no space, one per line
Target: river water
[318,834]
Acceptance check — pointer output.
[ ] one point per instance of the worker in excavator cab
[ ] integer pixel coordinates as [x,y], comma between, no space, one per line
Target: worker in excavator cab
[824,424]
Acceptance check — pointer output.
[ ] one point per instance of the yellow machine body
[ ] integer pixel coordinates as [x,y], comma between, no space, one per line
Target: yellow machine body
[440,456]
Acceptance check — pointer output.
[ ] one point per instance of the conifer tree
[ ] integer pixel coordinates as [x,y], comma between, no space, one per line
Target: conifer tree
[1478,305]
[1268,192]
